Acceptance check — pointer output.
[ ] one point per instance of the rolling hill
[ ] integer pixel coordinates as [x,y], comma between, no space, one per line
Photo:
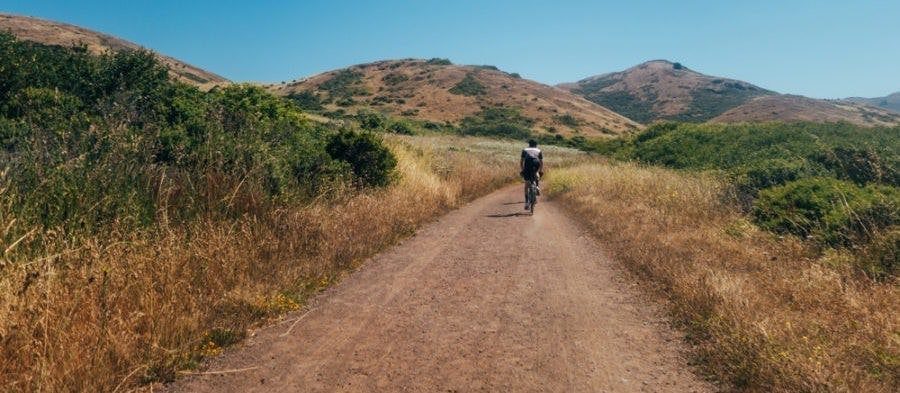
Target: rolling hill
[56,33]
[438,91]
[891,101]
[784,107]
[663,90]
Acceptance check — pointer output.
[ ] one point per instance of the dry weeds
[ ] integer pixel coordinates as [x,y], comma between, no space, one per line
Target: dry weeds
[763,313]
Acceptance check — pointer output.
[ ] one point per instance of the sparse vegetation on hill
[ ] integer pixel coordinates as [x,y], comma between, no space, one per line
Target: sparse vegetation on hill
[439,61]
[661,90]
[498,122]
[446,94]
[344,85]
[468,86]
[790,108]
[306,100]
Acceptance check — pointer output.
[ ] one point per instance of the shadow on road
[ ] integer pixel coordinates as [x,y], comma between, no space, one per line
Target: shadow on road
[514,203]
[517,214]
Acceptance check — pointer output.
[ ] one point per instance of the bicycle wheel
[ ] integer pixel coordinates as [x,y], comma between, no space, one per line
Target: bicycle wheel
[532,197]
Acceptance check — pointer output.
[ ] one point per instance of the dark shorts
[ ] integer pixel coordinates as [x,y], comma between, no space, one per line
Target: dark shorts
[529,175]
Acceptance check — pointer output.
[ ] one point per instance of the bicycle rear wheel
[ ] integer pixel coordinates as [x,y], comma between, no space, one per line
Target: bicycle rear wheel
[532,197]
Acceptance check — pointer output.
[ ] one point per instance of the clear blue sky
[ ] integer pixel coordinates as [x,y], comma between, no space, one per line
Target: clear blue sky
[821,48]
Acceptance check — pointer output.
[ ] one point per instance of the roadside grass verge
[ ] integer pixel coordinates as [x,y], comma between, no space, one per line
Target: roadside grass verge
[763,313]
[130,307]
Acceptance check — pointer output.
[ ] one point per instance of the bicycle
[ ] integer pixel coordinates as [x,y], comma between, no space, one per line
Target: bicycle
[531,193]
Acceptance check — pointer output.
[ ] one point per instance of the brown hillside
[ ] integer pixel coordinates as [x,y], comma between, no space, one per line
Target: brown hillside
[663,90]
[427,90]
[56,33]
[891,101]
[798,108]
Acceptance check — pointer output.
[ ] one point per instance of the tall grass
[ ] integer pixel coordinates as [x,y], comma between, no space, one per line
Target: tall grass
[129,307]
[765,314]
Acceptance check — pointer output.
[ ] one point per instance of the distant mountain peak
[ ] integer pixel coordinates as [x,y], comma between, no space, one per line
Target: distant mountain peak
[665,90]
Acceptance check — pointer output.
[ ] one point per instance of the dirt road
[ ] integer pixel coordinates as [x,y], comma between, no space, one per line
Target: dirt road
[481,300]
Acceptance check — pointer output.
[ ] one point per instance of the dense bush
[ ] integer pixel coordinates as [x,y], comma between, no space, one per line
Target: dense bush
[468,86]
[567,120]
[836,183]
[371,162]
[344,85]
[841,150]
[439,61]
[401,127]
[498,122]
[834,211]
[394,78]
[306,100]
[92,141]
[860,165]
[372,121]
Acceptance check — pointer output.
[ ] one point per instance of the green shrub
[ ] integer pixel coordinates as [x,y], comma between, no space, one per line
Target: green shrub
[567,120]
[843,150]
[344,85]
[371,121]
[92,142]
[401,127]
[880,259]
[498,122]
[370,161]
[394,78]
[468,86]
[860,165]
[752,177]
[306,100]
[835,212]
[439,61]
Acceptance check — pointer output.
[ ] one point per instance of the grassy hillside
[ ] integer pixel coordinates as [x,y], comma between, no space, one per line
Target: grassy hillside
[776,245]
[443,94]
[662,90]
[797,108]
[890,101]
[764,313]
[62,34]
[836,184]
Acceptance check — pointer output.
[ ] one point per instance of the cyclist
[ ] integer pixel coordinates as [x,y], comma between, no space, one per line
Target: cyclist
[532,166]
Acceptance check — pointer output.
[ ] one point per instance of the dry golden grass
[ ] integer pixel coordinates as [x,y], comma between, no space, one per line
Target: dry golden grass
[137,307]
[763,314]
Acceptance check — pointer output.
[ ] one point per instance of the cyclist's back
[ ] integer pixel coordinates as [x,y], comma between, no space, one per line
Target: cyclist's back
[531,164]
